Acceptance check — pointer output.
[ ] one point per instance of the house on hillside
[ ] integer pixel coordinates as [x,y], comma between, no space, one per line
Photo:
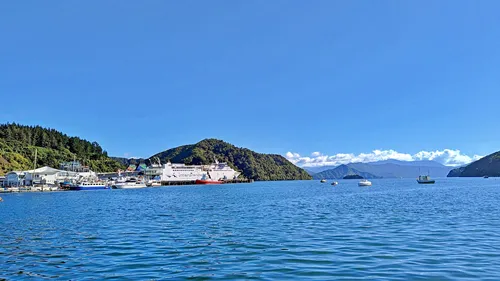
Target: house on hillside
[74,166]
[131,168]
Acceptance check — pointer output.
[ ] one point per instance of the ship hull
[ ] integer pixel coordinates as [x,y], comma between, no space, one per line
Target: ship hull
[89,187]
[130,186]
[208,182]
[426,182]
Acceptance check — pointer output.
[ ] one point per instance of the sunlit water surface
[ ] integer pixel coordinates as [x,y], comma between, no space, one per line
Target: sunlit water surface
[300,230]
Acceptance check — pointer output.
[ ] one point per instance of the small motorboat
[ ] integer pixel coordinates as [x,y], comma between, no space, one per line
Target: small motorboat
[365,183]
[486,177]
[425,180]
[322,181]
[155,183]
[335,183]
[130,183]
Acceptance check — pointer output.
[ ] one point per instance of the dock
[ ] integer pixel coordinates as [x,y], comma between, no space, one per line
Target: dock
[163,183]
[169,183]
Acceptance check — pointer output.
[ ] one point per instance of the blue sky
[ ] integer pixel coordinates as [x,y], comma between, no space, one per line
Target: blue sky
[274,76]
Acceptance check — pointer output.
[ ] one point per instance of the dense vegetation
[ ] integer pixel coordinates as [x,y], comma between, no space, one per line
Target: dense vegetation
[341,171]
[130,161]
[18,144]
[486,166]
[251,164]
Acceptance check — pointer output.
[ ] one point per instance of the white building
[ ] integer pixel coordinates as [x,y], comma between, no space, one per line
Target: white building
[14,178]
[50,176]
[43,175]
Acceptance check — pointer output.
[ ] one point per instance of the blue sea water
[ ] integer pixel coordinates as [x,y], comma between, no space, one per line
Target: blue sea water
[301,230]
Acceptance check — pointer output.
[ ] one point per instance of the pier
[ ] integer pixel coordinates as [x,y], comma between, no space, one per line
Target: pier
[169,183]
[163,184]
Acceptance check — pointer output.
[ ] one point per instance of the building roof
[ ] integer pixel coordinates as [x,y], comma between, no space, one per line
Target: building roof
[44,170]
[15,172]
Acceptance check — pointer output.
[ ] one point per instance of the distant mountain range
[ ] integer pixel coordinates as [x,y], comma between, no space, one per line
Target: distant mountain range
[486,166]
[423,163]
[384,169]
[130,161]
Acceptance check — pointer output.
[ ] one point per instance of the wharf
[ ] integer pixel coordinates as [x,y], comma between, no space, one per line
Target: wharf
[167,183]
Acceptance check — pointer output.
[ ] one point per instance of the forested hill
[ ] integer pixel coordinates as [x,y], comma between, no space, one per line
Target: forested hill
[251,164]
[486,166]
[18,144]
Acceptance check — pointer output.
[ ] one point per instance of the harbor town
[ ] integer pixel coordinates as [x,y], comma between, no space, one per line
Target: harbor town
[75,176]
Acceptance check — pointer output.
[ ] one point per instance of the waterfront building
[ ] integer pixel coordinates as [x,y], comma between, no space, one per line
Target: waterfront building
[74,166]
[14,178]
[45,176]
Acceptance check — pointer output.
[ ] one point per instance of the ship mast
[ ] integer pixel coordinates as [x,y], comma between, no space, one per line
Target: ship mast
[34,163]
[34,168]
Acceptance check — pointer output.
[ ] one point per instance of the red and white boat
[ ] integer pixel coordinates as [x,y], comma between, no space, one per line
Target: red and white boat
[208,182]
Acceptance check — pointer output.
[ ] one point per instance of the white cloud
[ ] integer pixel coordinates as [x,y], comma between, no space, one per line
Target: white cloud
[447,157]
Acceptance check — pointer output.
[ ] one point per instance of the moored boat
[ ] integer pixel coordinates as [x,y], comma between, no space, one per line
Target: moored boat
[365,183]
[154,183]
[322,181]
[66,185]
[425,180]
[130,183]
[335,183]
[89,186]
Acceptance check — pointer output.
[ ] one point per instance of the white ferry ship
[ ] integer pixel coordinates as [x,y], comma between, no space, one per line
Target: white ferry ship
[181,172]
[221,171]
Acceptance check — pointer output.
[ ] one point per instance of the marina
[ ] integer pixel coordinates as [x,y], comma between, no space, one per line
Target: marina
[77,177]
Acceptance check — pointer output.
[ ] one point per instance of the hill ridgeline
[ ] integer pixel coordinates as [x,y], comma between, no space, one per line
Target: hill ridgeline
[252,165]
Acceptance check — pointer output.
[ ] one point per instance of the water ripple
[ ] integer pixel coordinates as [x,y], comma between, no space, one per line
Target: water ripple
[394,230]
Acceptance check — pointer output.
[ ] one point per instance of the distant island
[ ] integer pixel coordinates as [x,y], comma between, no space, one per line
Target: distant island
[353,177]
[488,166]
[19,142]
[341,171]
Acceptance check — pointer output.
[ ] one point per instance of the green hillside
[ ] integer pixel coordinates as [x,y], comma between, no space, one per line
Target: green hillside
[251,164]
[486,166]
[18,144]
